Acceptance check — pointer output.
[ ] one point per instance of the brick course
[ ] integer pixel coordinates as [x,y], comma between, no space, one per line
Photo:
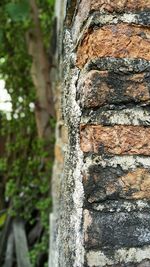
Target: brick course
[99,88]
[113,184]
[120,41]
[120,5]
[118,139]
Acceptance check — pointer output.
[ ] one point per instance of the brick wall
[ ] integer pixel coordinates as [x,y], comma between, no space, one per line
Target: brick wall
[106,108]
[113,55]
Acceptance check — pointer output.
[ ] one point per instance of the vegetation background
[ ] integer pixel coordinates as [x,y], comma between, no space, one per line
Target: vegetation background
[27,136]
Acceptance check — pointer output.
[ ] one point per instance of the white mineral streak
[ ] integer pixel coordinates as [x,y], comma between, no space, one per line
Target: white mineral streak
[87,223]
[105,19]
[99,259]
[125,162]
[127,116]
[110,18]
[126,205]
[76,218]
[73,111]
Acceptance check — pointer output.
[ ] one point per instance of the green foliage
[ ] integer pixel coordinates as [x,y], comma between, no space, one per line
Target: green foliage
[18,11]
[1,35]
[3,216]
[25,165]
[39,248]
[3,165]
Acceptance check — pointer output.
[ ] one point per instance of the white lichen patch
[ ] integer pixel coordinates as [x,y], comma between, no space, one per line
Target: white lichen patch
[142,204]
[103,18]
[99,259]
[129,17]
[135,116]
[143,235]
[87,223]
[72,115]
[125,162]
[77,213]
[117,206]
[110,18]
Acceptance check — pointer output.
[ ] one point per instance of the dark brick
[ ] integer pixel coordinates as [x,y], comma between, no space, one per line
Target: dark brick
[112,183]
[99,88]
[106,230]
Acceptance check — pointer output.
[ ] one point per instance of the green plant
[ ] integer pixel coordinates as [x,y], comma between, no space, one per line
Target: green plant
[27,161]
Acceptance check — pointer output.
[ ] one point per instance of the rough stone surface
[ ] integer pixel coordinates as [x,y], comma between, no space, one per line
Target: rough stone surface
[129,258]
[113,183]
[120,206]
[102,197]
[117,115]
[120,41]
[116,230]
[145,263]
[118,65]
[119,6]
[66,235]
[99,88]
[118,140]
[87,18]
[100,18]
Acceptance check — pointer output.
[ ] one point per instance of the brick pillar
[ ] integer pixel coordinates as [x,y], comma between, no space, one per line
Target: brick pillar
[114,94]
[105,194]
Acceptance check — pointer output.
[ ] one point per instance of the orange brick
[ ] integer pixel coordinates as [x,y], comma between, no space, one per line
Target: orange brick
[119,41]
[120,5]
[136,184]
[118,140]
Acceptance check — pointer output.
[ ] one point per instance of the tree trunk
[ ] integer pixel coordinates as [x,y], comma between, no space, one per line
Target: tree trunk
[101,200]
[40,72]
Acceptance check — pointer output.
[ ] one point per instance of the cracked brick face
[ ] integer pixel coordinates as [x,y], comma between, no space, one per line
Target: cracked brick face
[117,140]
[119,41]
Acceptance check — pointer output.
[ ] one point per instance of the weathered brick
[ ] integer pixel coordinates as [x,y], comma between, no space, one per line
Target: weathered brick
[127,257]
[118,139]
[120,205]
[119,5]
[106,230]
[86,7]
[98,88]
[145,263]
[120,41]
[113,183]
[139,115]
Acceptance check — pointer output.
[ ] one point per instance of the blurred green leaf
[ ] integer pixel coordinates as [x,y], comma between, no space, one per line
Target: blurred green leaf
[18,11]
[2,219]
[51,2]
[24,168]
[1,36]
